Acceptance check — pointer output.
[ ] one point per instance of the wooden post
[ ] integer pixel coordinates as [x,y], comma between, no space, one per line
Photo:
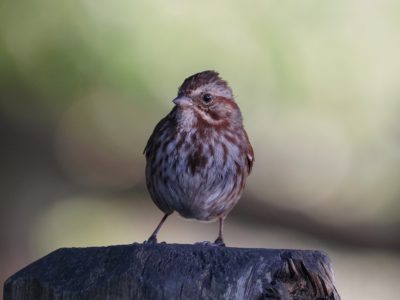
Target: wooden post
[172,271]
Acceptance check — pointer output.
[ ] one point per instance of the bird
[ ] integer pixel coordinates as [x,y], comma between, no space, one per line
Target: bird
[199,156]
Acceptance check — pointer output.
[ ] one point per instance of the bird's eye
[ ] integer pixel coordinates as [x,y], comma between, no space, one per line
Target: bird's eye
[207,98]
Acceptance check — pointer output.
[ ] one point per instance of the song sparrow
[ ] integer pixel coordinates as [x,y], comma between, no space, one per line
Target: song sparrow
[199,155]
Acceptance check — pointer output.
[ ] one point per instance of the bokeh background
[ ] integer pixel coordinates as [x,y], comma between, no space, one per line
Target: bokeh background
[82,84]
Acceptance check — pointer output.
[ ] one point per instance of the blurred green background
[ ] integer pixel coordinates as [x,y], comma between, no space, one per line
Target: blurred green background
[83,83]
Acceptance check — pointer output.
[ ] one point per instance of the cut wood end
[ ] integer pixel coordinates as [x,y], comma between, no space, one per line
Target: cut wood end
[175,271]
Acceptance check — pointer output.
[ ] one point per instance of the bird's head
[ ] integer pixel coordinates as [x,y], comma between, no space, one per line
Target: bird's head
[209,97]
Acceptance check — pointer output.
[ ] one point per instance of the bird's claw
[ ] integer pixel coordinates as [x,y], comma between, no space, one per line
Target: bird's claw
[219,242]
[151,241]
[208,243]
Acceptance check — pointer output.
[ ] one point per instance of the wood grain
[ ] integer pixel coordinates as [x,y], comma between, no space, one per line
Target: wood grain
[174,271]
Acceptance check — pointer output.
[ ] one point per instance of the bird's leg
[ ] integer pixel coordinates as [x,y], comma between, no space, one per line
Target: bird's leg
[220,239]
[153,238]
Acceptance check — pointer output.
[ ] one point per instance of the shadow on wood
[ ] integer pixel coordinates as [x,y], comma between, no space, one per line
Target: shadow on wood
[173,271]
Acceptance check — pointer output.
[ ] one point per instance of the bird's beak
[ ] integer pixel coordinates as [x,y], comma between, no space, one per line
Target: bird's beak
[183,101]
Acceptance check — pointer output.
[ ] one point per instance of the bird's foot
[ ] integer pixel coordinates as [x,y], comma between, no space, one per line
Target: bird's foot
[208,243]
[151,241]
[204,243]
[219,242]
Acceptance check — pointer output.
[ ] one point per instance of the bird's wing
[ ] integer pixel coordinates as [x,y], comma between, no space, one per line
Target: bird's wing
[249,154]
[160,127]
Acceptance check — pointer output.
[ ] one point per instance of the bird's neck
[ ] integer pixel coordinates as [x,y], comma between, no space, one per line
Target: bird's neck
[187,119]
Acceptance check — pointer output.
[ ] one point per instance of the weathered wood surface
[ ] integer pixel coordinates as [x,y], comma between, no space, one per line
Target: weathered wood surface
[172,271]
